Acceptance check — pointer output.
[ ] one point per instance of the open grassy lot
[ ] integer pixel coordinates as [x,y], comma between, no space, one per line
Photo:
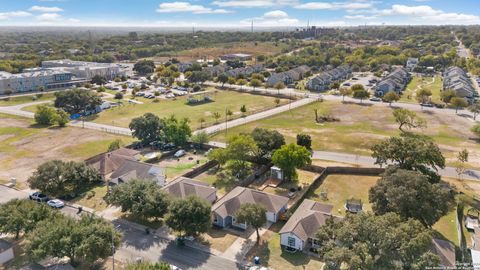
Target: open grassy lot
[361,126]
[341,187]
[10,101]
[24,146]
[272,256]
[121,116]
[434,84]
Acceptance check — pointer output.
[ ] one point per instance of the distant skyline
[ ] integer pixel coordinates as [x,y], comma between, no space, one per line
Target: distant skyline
[237,13]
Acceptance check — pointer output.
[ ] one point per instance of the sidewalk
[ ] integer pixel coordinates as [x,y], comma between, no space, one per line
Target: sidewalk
[239,249]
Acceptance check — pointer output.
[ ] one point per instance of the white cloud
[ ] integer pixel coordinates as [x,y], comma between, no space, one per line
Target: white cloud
[13,14]
[359,17]
[427,15]
[254,3]
[336,5]
[45,9]
[173,7]
[272,18]
[49,17]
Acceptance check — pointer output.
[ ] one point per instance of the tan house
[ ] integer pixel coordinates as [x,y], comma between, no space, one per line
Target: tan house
[108,162]
[183,187]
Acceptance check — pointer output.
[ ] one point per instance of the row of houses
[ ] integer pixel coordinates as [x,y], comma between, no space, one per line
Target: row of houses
[288,77]
[395,81]
[456,79]
[323,81]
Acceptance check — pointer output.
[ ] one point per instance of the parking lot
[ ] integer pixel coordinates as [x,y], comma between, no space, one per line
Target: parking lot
[364,78]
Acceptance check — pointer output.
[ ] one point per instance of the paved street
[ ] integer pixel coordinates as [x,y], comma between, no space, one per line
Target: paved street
[7,194]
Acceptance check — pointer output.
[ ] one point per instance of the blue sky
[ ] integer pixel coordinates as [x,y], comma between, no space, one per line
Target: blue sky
[237,13]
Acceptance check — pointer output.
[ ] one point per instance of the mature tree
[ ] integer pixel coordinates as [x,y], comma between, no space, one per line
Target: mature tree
[62,179]
[144,67]
[475,109]
[409,194]
[255,83]
[391,97]
[45,115]
[279,86]
[344,91]
[241,147]
[371,242]
[458,102]
[142,198]
[267,140]
[447,95]
[220,155]
[257,76]
[423,95]
[231,80]
[147,128]
[410,152]
[252,214]
[98,80]
[305,140]
[408,119]
[189,216]
[199,77]
[361,94]
[357,87]
[118,96]
[476,130]
[62,118]
[116,144]
[21,216]
[149,266]
[86,239]
[200,138]
[241,82]
[223,78]
[77,100]
[176,131]
[290,157]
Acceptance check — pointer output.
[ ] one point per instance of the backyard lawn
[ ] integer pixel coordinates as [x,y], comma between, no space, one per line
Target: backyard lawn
[434,84]
[361,126]
[224,100]
[341,187]
[11,101]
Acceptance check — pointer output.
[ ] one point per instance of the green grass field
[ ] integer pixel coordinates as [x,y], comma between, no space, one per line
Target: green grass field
[434,84]
[121,116]
[11,101]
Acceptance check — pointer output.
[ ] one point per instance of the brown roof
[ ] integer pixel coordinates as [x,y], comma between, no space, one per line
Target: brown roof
[230,203]
[183,187]
[132,169]
[445,250]
[108,162]
[307,219]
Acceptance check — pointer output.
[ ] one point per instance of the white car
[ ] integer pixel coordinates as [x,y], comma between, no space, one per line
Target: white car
[56,203]
[179,153]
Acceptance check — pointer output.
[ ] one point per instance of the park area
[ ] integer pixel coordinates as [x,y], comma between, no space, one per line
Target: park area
[223,101]
[17,100]
[433,84]
[359,127]
[24,145]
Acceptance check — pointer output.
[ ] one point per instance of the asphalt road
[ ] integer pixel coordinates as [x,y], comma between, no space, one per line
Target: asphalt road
[7,194]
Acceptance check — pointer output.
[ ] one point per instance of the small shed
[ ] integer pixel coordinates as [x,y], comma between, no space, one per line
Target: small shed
[471,219]
[354,205]
[276,173]
[6,251]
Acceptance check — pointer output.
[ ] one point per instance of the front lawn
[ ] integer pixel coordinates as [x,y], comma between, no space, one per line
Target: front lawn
[218,239]
[93,198]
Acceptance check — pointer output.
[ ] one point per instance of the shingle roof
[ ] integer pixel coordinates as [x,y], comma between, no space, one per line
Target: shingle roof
[183,187]
[307,219]
[445,250]
[108,162]
[4,245]
[132,169]
[230,203]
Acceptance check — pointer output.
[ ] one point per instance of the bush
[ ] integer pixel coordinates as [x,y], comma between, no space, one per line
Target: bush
[45,115]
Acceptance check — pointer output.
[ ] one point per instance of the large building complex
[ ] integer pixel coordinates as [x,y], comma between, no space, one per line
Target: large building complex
[57,74]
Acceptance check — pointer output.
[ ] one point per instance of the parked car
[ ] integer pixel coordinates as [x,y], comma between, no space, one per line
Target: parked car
[56,203]
[347,84]
[375,99]
[179,153]
[38,196]
[429,105]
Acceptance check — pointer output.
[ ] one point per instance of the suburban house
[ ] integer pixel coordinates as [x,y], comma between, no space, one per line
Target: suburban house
[6,251]
[132,169]
[289,76]
[323,80]
[456,79]
[224,210]
[246,71]
[214,71]
[300,229]
[395,81]
[108,162]
[183,187]
[475,250]
[446,251]
[411,64]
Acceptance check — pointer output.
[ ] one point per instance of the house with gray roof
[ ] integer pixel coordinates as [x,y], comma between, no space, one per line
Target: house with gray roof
[445,250]
[395,81]
[183,187]
[108,162]
[300,230]
[246,71]
[225,209]
[323,81]
[456,79]
[289,76]
[132,169]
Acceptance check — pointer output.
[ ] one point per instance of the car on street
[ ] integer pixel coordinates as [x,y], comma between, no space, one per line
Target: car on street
[375,99]
[56,203]
[38,196]
[429,105]
[179,153]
